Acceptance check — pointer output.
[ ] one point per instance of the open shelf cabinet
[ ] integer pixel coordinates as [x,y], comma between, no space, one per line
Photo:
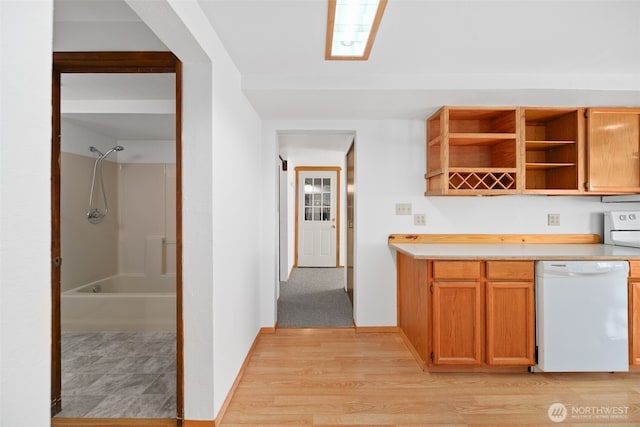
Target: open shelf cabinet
[473,150]
[553,149]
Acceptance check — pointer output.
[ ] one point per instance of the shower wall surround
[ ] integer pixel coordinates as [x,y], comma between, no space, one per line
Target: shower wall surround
[138,234]
[89,252]
[147,218]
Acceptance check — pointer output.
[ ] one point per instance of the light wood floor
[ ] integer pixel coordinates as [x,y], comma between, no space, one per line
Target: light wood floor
[335,377]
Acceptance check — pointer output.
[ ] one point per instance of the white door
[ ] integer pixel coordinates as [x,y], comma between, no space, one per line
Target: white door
[317,218]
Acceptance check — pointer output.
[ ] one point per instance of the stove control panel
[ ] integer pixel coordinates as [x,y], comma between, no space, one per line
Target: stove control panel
[622,228]
[623,220]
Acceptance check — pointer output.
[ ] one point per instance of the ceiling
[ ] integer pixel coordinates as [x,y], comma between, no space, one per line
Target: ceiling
[126,107]
[427,53]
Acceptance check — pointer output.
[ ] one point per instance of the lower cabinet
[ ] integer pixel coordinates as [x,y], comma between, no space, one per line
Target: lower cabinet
[483,313]
[457,323]
[510,305]
[510,335]
[473,313]
[457,312]
[480,313]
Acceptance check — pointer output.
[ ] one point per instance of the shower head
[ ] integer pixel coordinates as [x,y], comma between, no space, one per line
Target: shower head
[116,148]
[95,150]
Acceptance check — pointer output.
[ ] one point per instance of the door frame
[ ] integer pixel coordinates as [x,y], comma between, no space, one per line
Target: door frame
[110,62]
[337,170]
[351,218]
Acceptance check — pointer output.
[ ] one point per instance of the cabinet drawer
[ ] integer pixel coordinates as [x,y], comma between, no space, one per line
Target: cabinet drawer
[510,270]
[456,269]
[634,269]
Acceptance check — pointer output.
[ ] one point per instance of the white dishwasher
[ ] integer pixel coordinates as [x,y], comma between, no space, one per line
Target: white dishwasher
[582,316]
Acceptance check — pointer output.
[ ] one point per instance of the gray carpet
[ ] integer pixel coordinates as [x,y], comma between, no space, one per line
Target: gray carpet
[314,297]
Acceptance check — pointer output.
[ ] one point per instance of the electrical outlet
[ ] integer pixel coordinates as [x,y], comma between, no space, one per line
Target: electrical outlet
[419,219]
[403,208]
[553,219]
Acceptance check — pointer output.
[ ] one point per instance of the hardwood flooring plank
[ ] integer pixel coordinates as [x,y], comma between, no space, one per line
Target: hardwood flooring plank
[336,377]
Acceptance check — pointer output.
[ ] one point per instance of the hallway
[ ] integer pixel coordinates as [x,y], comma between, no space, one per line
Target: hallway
[314,297]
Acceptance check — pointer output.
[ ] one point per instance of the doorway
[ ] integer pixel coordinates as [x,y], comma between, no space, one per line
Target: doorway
[312,166]
[112,63]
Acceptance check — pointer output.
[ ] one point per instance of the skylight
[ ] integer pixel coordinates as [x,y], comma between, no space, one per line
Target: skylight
[352,27]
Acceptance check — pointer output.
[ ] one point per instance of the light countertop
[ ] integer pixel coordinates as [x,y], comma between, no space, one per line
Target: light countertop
[513,251]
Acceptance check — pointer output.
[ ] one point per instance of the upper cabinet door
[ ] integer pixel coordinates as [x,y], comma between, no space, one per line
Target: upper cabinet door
[613,138]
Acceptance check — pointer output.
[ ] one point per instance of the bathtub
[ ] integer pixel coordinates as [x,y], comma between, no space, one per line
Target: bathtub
[121,303]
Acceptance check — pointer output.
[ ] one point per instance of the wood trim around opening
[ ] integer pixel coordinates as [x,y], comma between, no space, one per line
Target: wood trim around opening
[337,170]
[111,62]
[113,422]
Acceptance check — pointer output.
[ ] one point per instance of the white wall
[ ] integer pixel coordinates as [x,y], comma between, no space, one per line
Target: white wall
[237,186]
[390,167]
[222,206]
[25,212]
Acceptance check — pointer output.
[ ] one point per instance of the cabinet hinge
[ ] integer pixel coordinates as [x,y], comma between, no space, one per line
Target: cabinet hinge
[586,185]
[586,114]
[431,288]
[432,356]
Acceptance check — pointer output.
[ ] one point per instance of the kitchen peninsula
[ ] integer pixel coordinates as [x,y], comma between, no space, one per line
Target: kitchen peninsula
[467,301]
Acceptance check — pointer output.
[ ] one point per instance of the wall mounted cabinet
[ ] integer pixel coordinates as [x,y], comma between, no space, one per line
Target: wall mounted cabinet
[533,150]
[613,150]
[473,150]
[553,150]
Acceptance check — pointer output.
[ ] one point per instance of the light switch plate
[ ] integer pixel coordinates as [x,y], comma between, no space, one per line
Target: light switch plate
[403,208]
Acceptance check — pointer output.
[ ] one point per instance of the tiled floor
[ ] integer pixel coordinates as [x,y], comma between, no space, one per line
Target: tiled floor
[118,375]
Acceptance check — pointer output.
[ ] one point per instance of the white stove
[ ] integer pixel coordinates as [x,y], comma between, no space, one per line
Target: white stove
[622,228]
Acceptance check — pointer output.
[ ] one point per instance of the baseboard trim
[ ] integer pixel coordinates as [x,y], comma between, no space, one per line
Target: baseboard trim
[198,423]
[268,330]
[377,329]
[407,342]
[234,386]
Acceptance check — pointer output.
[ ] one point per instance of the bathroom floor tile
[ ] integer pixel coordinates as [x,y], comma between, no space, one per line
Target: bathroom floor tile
[121,384]
[132,364]
[169,406]
[164,384]
[118,374]
[103,365]
[112,406]
[78,406]
[147,406]
[78,383]
[78,363]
